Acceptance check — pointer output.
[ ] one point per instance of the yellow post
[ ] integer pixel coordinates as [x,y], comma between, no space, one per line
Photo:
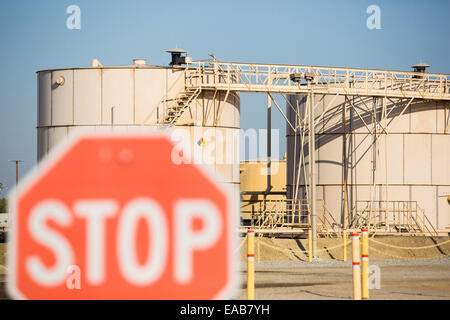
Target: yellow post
[344,236]
[365,263]
[356,267]
[309,244]
[258,246]
[250,265]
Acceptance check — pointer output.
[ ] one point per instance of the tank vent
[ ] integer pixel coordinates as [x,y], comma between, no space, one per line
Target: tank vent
[140,62]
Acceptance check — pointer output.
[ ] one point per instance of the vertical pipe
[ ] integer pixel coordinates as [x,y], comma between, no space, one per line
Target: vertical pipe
[375,124]
[250,265]
[17,170]
[344,237]
[312,166]
[269,143]
[386,185]
[269,150]
[344,160]
[112,116]
[374,137]
[356,267]
[17,173]
[309,244]
[258,247]
[294,165]
[365,263]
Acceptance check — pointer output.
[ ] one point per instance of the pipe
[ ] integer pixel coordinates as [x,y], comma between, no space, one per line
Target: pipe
[269,144]
[365,263]
[356,267]
[250,265]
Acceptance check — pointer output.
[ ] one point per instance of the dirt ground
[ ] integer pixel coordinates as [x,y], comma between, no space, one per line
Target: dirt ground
[410,268]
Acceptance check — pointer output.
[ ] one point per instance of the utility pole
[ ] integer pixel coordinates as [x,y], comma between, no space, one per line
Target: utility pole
[17,170]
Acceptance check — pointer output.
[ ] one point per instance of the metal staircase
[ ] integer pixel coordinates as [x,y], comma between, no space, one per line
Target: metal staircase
[391,217]
[177,106]
[289,214]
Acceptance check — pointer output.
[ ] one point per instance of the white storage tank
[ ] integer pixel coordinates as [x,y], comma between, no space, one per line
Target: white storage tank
[134,97]
[411,160]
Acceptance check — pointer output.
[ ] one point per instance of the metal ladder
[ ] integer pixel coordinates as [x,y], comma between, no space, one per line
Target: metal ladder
[179,105]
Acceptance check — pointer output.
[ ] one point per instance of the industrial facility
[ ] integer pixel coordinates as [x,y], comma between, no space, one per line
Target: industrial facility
[379,139]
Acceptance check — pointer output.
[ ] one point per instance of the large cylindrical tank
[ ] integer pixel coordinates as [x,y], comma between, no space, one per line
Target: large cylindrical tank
[134,97]
[409,160]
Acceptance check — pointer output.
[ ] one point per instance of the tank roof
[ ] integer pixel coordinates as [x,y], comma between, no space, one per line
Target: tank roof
[127,66]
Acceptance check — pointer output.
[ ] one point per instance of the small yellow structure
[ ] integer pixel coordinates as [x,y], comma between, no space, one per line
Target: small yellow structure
[254,184]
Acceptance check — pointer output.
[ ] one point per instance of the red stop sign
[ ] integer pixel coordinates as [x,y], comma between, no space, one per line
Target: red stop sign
[113,217]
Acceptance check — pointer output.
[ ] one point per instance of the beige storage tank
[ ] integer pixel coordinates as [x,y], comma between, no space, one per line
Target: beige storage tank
[254,179]
[135,97]
[254,185]
[409,160]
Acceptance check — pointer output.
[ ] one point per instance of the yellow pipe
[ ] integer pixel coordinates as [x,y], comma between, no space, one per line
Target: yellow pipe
[365,263]
[309,244]
[356,267]
[251,265]
[258,246]
[344,236]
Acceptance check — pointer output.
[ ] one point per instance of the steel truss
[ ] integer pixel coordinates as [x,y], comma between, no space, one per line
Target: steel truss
[378,98]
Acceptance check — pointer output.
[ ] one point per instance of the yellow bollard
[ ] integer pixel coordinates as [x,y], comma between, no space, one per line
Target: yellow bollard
[344,236]
[250,265]
[365,263]
[258,247]
[309,244]
[356,267]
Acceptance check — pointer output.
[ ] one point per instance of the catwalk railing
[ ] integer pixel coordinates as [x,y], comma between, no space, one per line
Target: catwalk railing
[380,217]
[271,78]
[392,217]
[290,214]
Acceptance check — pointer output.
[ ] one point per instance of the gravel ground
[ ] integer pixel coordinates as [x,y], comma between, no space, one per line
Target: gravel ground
[3,273]
[287,275]
[283,270]
[326,279]
[336,263]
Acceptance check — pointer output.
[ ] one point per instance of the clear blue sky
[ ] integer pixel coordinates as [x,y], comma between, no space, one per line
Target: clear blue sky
[33,36]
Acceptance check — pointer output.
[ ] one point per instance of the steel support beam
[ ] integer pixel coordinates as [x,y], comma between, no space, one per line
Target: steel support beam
[312,171]
[269,143]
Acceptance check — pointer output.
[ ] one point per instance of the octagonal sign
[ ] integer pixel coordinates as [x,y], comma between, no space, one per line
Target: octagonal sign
[113,217]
